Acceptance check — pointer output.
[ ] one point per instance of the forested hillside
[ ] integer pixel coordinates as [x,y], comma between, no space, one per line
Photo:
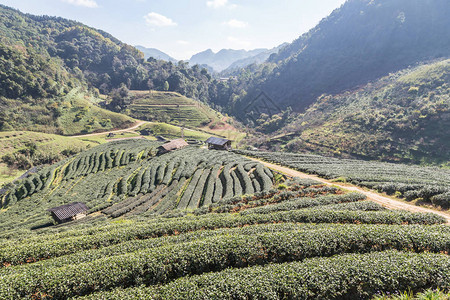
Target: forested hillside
[43,59]
[361,41]
[402,117]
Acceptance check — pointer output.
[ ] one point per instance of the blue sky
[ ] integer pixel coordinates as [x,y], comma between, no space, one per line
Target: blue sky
[182,28]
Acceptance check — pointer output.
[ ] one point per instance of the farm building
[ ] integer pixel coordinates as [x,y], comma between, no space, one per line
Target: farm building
[69,212]
[172,145]
[218,143]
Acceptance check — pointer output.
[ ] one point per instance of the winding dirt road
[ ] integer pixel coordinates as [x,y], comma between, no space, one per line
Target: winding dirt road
[371,195]
[133,127]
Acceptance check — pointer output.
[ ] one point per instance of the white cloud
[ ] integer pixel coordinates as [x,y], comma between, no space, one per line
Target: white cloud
[238,42]
[216,3]
[154,19]
[85,3]
[181,42]
[233,23]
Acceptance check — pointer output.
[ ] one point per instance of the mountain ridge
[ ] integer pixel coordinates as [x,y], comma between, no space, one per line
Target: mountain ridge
[360,41]
[155,53]
[224,58]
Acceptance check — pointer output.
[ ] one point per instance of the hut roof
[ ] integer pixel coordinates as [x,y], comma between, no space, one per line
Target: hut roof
[69,210]
[217,141]
[174,144]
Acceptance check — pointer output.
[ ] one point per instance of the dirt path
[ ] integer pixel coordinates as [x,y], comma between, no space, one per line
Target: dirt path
[165,105]
[371,195]
[133,127]
[126,138]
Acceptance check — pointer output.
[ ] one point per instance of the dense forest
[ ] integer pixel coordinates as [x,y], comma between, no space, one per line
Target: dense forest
[93,56]
[45,60]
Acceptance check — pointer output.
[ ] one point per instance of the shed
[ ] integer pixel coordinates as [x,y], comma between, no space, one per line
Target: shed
[172,145]
[69,212]
[110,135]
[218,143]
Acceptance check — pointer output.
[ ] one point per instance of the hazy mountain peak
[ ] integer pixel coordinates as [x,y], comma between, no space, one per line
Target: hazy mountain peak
[223,59]
[155,53]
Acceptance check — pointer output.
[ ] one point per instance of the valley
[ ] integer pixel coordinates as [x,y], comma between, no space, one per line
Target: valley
[315,169]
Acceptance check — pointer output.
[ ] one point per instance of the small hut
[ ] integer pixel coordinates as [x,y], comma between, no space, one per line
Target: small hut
[172,145]
[218,143]
[111,135]
[69,212]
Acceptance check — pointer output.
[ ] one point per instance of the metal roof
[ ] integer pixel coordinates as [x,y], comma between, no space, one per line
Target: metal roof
[174,144]
[69,210]
[217,141]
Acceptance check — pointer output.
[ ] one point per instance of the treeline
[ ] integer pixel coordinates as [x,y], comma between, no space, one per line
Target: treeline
[44,56]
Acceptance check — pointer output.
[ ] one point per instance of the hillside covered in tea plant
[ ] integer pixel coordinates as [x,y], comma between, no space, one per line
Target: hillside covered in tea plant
[207,224]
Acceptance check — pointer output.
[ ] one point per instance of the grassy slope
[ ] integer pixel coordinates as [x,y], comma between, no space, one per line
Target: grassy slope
[172,131]
[90,117]
[13,141]
[71,114]
[402,117]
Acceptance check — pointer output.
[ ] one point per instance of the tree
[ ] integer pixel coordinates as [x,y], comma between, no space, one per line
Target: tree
[166,85]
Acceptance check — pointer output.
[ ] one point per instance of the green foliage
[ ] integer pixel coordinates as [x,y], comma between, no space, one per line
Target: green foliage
[44,57]
[382,120]
[347,276]
[169,257]
[127,173]
[409,295]
[349,48]
[411,182]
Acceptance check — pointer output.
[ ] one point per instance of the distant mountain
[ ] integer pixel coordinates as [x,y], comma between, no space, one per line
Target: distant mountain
[155,53]
[361,41]
[224,58]
[258,59]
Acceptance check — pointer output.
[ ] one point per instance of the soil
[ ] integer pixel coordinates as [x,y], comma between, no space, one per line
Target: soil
[371,195]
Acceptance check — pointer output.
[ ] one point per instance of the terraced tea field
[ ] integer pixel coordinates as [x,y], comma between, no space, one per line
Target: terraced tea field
[169,107]
[431,185]
[127,177]
[204,224]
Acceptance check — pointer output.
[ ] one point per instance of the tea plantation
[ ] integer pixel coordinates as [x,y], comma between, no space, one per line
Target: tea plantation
[203,224]
[430,184]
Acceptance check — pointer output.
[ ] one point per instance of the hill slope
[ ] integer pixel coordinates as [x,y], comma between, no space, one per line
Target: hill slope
[264,244]
[21,150]
[361,41]
[42,59]
[256,59]
[167,107]
[402,117]
[133,176]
